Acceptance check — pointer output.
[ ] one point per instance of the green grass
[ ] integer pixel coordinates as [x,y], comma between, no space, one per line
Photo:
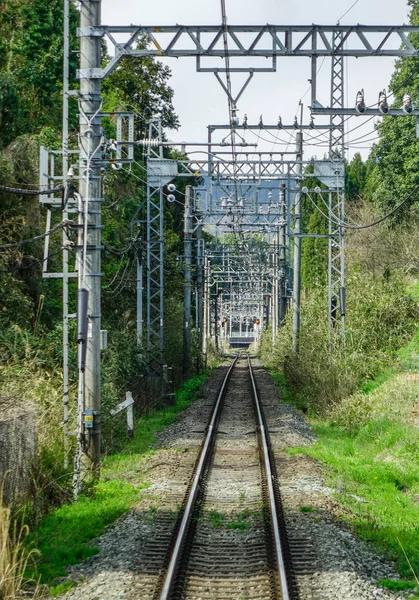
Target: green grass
[306,509]
[65,536]
[397,585]
[379,463]
[375,383]
[216,518]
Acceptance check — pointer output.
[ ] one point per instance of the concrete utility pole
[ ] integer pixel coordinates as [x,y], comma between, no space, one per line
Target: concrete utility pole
[297,247]
[187,290]
[90,191]
[66,69]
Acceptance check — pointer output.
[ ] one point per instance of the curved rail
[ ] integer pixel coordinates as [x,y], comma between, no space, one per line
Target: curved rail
[265,455]
[170,577]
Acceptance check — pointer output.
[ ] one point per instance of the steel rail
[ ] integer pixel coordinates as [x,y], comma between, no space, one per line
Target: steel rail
[279,555]
[171,572]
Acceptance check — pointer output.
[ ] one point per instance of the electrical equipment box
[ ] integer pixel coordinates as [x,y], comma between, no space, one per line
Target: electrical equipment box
[88,418]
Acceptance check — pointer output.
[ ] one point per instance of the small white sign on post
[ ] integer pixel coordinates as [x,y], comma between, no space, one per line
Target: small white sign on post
[127,404]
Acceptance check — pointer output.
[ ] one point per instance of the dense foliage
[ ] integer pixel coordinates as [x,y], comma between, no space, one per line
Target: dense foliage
[31,57]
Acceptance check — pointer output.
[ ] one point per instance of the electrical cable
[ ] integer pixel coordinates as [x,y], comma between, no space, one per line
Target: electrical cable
[349,9]
[24,192]
[365,226]
[37,261]
[37,237]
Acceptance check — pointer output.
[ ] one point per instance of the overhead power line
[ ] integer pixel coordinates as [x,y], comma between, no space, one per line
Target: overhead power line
[37,237]
[25,192]
[365,226]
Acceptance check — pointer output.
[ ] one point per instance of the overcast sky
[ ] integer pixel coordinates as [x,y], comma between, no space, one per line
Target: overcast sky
[199,99]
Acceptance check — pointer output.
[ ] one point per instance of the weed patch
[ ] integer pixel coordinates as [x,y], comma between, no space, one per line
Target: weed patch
[65,536]
[380,463]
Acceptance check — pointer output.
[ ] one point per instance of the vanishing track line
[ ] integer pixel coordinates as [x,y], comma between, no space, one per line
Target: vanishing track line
[230,540]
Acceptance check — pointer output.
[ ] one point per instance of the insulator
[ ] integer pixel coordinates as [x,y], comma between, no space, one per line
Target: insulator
[295,123]
[312,123]
[360,102]
[407,103]
[171,198]
[244,121]
[151,142]
[171,187]
[279,122]
[116,166]
[260,121]
[382,102]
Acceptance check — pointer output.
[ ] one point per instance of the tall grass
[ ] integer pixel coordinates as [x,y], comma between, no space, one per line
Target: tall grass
[14,556]
[381,317]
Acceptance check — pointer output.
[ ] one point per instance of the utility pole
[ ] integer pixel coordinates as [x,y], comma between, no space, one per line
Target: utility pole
[205,301]
[139,305]
[297,247]
[66,69]
[282,251]
[90,192]
[199,285]
[187,289]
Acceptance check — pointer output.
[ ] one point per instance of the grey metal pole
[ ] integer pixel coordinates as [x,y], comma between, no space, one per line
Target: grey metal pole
[187,289]
[199,284]
[139,306]
[66,68]
[282,251]
[205,310]
[90,190]
[297,247]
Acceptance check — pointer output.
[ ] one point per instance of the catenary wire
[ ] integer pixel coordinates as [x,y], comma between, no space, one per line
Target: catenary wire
[37,237]
[365,226]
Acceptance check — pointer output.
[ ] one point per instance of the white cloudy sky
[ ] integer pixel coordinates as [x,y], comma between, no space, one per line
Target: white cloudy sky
[199,99]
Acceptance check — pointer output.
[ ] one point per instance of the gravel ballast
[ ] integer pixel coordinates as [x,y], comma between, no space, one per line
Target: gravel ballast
[335,564]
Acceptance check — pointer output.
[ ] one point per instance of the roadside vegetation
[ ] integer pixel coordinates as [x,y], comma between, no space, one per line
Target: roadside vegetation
[361,394]
[64,536]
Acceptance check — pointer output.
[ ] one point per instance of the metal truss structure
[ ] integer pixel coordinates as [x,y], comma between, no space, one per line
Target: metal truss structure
[336,247]
[160,171]
[254,44]
[265,41]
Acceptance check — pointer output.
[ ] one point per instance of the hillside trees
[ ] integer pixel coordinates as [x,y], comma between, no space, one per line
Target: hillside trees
[30,115]
[396,155]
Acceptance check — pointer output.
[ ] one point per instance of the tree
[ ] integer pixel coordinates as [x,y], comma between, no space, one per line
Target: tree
[396,155]
[140,85]
[355,177]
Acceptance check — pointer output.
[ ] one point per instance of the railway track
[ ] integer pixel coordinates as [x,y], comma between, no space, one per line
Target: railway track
[230,540]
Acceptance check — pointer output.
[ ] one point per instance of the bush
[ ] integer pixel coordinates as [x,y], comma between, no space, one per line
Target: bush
[380,318]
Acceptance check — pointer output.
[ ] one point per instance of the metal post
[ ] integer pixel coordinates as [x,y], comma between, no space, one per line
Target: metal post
[205,310]
[139,306]
[216,320]
[66,68]
[297,246]
[199,284]
[90,190]
[336,255]
[282,251]
[187,290]
[155,258]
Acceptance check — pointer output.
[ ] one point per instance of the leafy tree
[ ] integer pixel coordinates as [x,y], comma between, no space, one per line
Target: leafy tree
[355,177]
[140,85]
[396,155]
[31,59]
